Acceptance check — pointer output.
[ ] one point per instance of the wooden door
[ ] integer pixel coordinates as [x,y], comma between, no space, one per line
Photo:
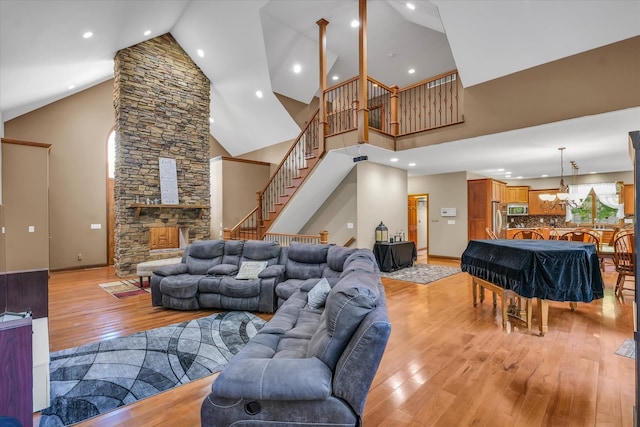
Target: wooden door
[412,223]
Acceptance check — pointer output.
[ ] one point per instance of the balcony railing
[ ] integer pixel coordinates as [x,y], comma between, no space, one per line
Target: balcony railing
[430,104]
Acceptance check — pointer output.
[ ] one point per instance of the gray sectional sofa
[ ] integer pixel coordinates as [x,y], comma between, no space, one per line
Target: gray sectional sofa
[207,276]
[312,364]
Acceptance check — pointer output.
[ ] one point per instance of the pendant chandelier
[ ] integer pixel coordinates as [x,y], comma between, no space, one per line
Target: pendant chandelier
[562,197]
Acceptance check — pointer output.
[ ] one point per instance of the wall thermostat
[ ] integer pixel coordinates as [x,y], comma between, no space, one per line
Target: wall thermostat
[447,211]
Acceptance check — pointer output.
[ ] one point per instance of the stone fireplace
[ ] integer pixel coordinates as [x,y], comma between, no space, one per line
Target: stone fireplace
[161,101]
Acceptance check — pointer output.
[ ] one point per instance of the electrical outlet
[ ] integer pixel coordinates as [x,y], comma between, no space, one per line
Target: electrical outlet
[79,257]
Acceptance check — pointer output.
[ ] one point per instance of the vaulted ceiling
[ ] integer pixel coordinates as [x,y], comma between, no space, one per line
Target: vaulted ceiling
[250,46]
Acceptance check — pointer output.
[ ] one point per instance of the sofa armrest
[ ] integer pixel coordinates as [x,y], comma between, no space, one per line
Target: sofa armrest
[171,270]
[223,270]
[272,271]
[275,379]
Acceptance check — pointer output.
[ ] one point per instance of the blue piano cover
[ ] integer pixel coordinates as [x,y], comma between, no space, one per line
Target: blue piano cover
[548,269]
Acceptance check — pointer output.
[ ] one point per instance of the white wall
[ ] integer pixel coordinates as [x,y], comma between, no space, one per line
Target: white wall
[445,191]
[381,196]
[337,212]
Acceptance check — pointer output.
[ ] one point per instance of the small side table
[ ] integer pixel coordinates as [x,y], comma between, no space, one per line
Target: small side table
[394,256]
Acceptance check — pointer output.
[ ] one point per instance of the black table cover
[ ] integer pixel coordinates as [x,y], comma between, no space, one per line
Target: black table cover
[394,256]
[548,269]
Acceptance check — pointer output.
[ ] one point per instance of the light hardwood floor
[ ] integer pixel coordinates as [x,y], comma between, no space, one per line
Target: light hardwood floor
[447,363]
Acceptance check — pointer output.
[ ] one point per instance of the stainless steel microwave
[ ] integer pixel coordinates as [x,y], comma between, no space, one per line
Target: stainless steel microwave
[516,209]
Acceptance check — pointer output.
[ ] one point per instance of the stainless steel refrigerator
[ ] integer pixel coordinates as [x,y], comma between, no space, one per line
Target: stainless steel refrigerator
[499,219]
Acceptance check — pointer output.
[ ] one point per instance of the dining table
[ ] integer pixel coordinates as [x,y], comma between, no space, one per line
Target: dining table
[545,270]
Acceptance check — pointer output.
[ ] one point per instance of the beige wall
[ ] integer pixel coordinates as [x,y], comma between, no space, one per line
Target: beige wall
[381,196]
[445,191]
[336,212]
[77,127]
[25,176]
[597,81]
[241,181]
[234,184]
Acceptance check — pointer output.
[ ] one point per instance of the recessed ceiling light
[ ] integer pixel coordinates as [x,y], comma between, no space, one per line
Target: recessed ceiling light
[501,170]
[592,173]
[70,87]
[355,23]
[148,32]
[544,175]
[519,177]
[87,35]
[259,93]
[200,53]
[411,71]
[411,6]
[297,68]
[334,78]
[394,159]
[412,164]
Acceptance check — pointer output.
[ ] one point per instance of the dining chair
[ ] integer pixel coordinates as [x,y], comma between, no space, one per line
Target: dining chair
[623,258]
[586,236]
[549,233]
[582,235]
[528,234]
[491,234]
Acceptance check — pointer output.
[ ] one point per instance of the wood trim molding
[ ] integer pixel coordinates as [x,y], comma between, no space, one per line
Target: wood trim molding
[26,143]
[236,159]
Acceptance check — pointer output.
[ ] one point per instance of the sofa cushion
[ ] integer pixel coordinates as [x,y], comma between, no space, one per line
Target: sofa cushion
[202,255]
[180,286]
[318,294]
[350,300]
[308,253]
[232,252]
[284,290]
[223,270]
[260,250]
[232,287]
[360,260]
[336,257]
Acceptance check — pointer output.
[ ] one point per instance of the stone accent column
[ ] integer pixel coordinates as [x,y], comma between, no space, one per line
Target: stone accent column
[161,101]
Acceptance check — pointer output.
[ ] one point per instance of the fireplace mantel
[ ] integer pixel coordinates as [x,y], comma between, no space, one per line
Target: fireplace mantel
[139,206]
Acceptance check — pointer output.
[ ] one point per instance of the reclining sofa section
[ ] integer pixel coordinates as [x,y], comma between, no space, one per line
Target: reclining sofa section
[312,364]
[206,277]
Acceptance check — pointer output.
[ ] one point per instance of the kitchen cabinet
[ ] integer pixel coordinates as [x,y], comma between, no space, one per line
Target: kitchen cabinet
[536,206]
[518,194]
[498,191]
[629,199]
[481,193]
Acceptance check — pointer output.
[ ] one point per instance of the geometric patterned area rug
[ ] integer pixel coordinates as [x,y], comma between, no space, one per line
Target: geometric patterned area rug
[124,288]
[627,349]
[92,379]
[422,273]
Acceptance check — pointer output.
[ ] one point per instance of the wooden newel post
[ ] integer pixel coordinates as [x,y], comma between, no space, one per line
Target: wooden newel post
[226,233]
[394,111]
[324,237]
[363,108]
[322,114]
[259,220]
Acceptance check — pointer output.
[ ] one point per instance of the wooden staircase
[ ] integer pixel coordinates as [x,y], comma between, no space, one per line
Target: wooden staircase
[296,166]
